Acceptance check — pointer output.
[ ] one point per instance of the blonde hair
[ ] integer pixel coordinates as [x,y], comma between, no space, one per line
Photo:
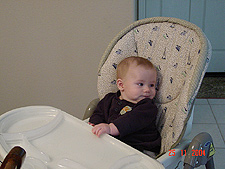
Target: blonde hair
[123,66]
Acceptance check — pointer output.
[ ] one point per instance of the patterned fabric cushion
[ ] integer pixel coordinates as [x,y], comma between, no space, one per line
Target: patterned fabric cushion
[179,51]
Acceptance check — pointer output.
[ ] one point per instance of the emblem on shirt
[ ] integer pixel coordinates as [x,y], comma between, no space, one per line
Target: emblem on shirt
[125,110]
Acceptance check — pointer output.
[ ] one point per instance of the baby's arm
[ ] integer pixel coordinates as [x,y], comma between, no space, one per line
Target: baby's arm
[105,128]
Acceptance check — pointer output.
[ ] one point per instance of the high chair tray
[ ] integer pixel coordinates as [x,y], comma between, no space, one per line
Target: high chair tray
[53,139]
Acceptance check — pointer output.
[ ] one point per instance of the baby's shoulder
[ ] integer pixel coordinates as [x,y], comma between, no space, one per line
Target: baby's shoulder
[109,96]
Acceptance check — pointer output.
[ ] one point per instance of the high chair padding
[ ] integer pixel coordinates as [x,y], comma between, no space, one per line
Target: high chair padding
[180,52]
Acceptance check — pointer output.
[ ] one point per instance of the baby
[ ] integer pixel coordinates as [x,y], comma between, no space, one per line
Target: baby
[130,114]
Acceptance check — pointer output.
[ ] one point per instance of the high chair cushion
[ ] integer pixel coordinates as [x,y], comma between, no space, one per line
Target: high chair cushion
[180,52]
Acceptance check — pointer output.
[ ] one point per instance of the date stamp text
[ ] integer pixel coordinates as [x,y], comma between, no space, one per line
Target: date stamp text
[184,152]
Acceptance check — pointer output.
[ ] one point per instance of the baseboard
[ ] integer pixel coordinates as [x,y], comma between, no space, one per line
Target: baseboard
[215,74]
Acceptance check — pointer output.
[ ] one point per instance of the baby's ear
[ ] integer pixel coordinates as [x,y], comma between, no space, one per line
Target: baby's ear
[119,83]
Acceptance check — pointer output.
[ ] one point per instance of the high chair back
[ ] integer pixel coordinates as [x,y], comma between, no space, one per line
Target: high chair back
[179,50]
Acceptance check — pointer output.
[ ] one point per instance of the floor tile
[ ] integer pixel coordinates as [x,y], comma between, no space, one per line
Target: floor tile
[219,159]
[209,116]
[203,114]
[201,101]
[212,129]
[222,129]
[216,101]
[219,112]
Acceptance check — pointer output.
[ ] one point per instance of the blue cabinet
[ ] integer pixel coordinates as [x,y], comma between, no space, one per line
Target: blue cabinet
[209,15]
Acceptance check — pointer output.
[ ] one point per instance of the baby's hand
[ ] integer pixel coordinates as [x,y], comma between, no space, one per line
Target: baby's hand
[101,129]
[105,128]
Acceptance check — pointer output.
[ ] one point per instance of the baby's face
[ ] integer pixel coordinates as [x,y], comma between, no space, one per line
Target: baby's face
[139,83]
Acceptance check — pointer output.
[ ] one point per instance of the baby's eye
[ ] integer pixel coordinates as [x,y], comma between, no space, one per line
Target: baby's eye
[140,84]
[152,85]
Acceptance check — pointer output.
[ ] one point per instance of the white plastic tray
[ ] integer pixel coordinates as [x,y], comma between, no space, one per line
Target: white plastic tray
[54,139]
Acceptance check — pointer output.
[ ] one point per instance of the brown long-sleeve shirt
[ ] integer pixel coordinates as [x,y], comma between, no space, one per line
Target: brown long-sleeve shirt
[135,122]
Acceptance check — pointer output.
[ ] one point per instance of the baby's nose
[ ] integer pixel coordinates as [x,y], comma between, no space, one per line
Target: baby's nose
[147,89]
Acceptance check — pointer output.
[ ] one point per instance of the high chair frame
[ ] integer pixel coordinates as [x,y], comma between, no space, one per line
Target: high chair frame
[181,53]
[188,46]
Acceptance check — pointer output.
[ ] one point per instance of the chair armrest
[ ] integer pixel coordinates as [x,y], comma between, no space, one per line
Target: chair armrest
[90,108]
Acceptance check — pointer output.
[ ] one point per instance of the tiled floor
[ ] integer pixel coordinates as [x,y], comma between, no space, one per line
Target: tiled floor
[209,116]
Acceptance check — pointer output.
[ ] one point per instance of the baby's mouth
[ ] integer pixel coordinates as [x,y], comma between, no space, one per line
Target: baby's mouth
[146,96]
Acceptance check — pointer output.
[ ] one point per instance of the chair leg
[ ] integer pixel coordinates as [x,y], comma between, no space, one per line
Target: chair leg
[187,166]
[210,164]
[200,152]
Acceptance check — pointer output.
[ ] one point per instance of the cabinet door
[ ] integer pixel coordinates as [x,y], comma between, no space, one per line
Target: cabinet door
[209,15]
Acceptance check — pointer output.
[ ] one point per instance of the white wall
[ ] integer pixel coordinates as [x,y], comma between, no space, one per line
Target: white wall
[50,50]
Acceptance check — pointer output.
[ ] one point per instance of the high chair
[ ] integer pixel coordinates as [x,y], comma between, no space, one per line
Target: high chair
[181,53]
[53,139]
